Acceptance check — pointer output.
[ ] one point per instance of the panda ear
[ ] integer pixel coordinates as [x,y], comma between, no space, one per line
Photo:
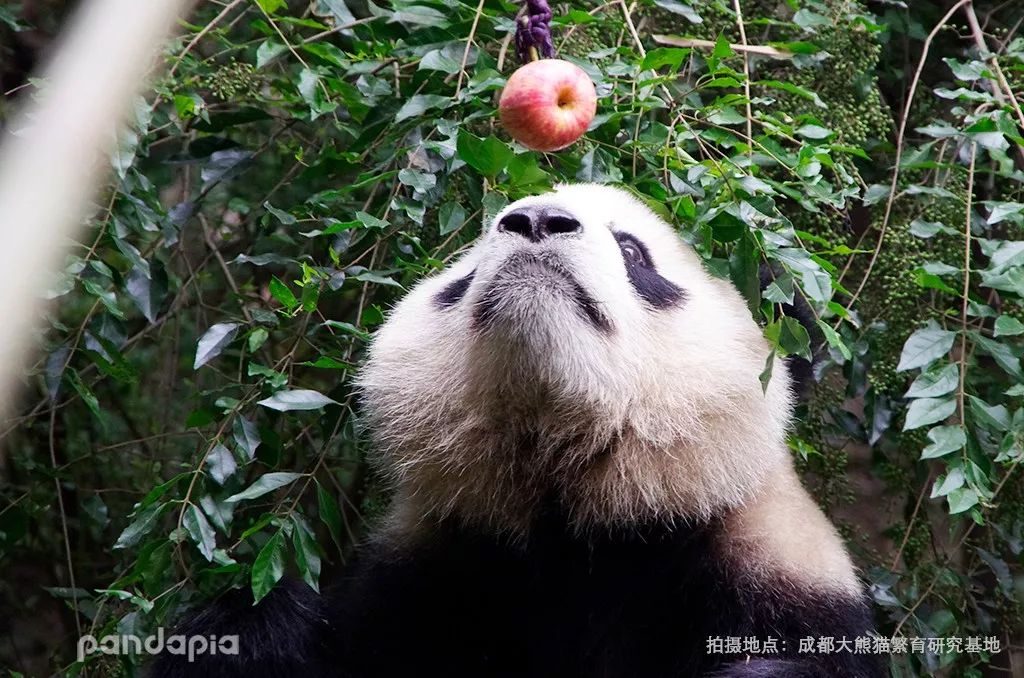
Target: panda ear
[801,370]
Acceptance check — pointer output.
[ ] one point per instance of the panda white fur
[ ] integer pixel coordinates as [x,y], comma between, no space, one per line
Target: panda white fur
[589,478]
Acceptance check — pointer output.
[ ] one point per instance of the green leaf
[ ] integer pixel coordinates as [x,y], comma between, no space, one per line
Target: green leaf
[722,50]
[310,297]
[256,339]
[524,173]
[297,399]
[487,156]
[834,340]
[814,132]
[790,336]
[336,8]
[419,104]
[448,59]
[419,181]
[797,47]
[262,259]
[876,193]
[274,378]
[161,489]
[83,391]
[271,6]
[375,278]
[268,51]
[790,88]
[993,417]
[1001,570]
[937,381]
[268,482]
[808,20]
[944,439]
[961,499]
[326,362]
[1008,326]
[285,218]
[419,15]
[146,287]
[925,411]
[940,130]
[284,296]
[348,328]
[1001,353]
[450,217]
[925,346]
[220,513]
[931,281]
[307,552]
[106,297]
[268,568]
[221,463]
[213,342]
[780,290]
[246,435]
[683,9]
[927,229]
[1002,211]
[144,523]
[330,514]
[599,167]
[200,531]
[944,485]
[766,374]
[987,135]
[664,56]
[968,71]
[370,221]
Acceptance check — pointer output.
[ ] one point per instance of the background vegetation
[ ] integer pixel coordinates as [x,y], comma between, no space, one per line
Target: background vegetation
[189,423]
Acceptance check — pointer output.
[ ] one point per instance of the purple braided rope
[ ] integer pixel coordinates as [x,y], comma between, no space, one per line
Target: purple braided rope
[534,30]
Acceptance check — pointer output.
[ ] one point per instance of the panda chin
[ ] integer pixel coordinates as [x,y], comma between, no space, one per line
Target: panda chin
[531,292]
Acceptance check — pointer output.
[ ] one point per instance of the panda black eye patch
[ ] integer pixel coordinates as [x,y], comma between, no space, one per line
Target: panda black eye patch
[656,290]
[453,292]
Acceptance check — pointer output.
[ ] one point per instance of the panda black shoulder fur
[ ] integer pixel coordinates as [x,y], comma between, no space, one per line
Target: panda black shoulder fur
[589,480]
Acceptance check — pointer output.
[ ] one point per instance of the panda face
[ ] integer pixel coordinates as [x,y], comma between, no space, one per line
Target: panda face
[532,259]
[578,348]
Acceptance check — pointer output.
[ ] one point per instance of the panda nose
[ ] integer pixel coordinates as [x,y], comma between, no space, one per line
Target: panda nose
[537,223]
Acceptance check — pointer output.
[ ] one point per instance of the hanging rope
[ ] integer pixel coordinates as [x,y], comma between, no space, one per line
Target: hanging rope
[533,33]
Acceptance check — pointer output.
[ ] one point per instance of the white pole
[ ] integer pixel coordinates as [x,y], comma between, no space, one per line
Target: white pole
[54,155]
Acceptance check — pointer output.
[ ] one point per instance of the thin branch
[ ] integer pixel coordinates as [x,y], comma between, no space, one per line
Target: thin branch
[746,74]
[760,50]
[967,285]
[63,518]
[503,50]
[910,522]
[592,12]
[208,238]
[202,34]
[1001,89]
[469,45]
[281,35]
[899,153]
[632,29]
[338,29]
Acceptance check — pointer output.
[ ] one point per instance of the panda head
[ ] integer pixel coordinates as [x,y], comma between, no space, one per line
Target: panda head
[578,353]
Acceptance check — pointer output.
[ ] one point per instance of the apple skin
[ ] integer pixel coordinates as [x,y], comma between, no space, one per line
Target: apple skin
[548,104]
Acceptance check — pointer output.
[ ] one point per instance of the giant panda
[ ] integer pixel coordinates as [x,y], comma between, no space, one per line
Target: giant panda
[590,480]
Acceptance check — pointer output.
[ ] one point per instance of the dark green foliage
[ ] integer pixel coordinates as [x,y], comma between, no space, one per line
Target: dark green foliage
[302,164]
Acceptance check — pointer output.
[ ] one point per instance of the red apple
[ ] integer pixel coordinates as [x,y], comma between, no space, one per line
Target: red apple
[548,104]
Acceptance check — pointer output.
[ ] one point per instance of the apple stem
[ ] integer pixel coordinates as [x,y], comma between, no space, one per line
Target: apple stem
[533,32]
